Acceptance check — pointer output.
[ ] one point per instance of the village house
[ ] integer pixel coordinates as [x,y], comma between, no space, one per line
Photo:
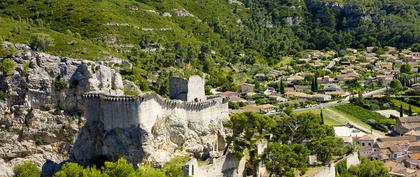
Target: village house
[278,98]
[260,77]
[325,80]
[245,88]
[302,88]
[406,124]
[233,97]
[294,79]
[416,87]
[321,97]
[367,140]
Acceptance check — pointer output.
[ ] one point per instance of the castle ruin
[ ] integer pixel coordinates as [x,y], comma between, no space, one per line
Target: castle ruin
[188,101]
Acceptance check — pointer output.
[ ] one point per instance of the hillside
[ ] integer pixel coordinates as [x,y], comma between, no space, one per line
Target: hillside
[211,36]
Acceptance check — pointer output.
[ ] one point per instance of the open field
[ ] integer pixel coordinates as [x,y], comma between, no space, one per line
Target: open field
[329,119]
[336,117]
[364,114]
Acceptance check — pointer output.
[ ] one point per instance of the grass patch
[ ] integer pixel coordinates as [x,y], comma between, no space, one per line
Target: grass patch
[329,118]
[371,118]
[405,105]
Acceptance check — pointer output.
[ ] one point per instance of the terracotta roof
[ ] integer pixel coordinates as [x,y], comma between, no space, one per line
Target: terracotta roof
[395,148]
[367,138]
[383,145]
[413,133]
[415,143]
[398,138]
[410,119]
[414,156]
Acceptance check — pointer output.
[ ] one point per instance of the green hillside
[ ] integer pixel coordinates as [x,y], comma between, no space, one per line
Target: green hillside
[166,37]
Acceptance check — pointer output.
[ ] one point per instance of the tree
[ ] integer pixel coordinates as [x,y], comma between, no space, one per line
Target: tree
[70,170]
[174,167]
[281,87]
[301,128]
[396,85]
[410,111]
[248,127]
[314,85]
[368,168]
[27,169]
[119,168]
[401,111]
[405,68]
[7,66]
[282,160]
[325,148]
[322,117]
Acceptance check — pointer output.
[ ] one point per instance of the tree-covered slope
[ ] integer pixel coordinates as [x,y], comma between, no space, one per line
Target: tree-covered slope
[163,37]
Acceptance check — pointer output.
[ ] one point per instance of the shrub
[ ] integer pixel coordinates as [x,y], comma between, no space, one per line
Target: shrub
[60,84]
[27,169]
[26,66]
[41,41]
[4,53]
[233,105]
[7,66]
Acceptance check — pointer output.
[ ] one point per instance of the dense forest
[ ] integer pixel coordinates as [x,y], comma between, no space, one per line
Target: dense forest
[217,37]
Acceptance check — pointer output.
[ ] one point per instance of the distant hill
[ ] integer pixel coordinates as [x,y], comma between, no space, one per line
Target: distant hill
[207,35]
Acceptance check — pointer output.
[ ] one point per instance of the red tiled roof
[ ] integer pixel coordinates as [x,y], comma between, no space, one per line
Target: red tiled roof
[415,156]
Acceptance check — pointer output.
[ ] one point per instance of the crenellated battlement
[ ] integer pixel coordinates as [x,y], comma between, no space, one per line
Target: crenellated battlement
[112,98]
[165,103]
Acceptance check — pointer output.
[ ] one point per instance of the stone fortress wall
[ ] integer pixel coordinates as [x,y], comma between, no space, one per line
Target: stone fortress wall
[144,110]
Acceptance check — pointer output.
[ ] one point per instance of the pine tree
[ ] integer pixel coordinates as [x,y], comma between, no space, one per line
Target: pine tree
[401,111]
[410,111]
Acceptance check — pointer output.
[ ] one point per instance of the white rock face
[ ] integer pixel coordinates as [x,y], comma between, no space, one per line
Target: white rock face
[39,119]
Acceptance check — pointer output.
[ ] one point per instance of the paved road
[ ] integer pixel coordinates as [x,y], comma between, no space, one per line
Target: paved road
[344,100]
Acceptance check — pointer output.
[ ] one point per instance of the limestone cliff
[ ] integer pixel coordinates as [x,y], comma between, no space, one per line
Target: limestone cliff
[42,118]
[41,104]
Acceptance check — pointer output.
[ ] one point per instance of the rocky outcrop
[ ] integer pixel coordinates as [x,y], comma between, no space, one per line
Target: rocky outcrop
[41,105]
[42,118]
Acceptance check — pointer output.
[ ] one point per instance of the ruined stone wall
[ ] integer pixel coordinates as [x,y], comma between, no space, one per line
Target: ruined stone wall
[187,90]
[225,166]
[178,88]
[144,110]
[196,89]
[329,171]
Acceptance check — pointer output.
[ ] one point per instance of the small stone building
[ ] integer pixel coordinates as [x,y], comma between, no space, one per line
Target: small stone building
[187,90]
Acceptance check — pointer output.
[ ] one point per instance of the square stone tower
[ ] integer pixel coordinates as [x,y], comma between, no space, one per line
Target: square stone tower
[187,90]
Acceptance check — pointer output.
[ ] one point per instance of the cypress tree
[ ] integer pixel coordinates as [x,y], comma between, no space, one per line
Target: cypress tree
[401,111]
[281,87]
[410,112]
[322,118]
